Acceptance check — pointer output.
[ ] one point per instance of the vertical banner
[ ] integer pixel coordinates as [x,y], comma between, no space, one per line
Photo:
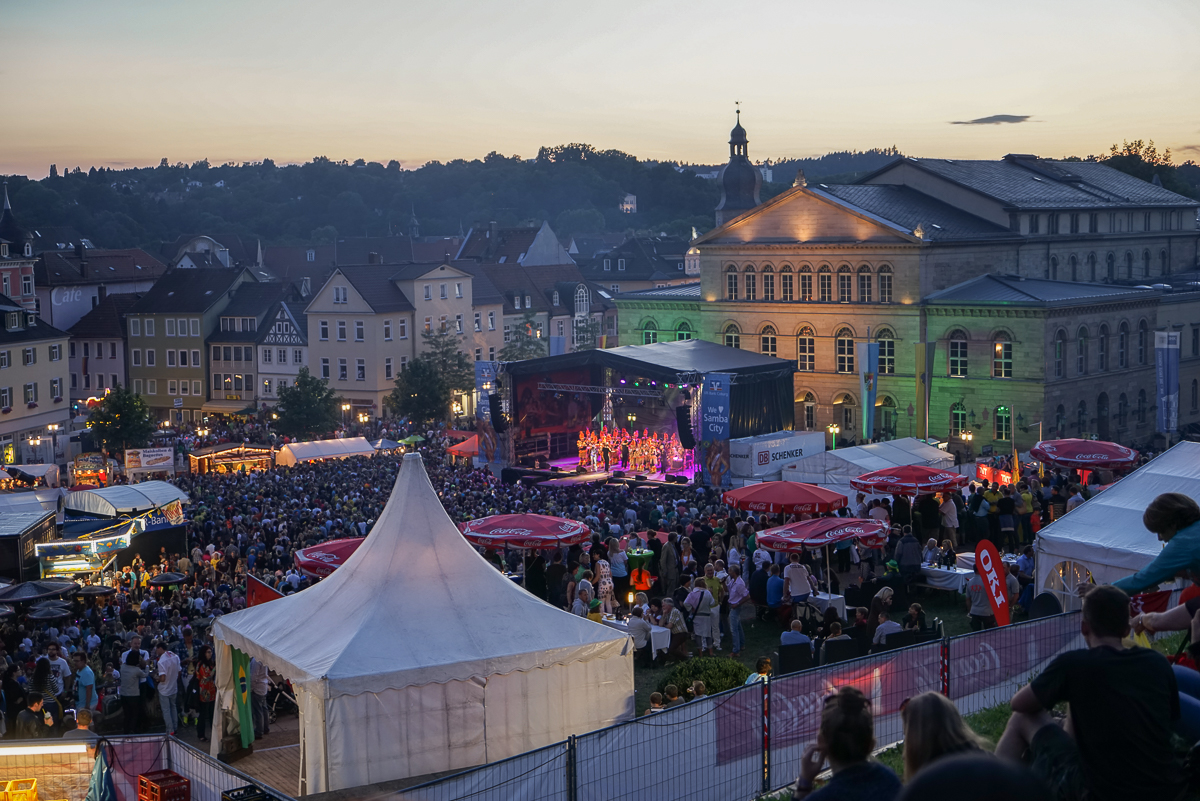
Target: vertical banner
[926,352]
[241,696]
[715,429]
[1166,380]
[868,375]
[991,569]
[485,384]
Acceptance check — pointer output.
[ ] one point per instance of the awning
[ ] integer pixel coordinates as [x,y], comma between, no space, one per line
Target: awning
[468,447]
[228,407]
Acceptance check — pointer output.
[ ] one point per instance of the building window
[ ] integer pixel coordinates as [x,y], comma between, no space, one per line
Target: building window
[825,286]
[846,403]
[620,264]
[507,332]
[864,284]
[360,369]
[325,368]
[458,324]
[806,285]
[172,388]
[1145,264]
[1081,352]
[1129,265]
[402,329]
[29,356]
[751,286]
[1102,349]
[1033,223]
[731,284]
[958,354]
[458,289]
[1123,346]
[845,282]
[341,294]
[810,412]
[324,331]
[887,351]
[608,265]
[478,321]
[31,392]
[428,292]
[148,328]
[1074,218]
[683,332]
[479,354]
[1091,262]
[768,286]
[768,341]
[1052,271]
[56,387]
[150,360]
[152,386]
[491,321]
[359,330]
[958,420]
[387,368]
[1110,262]
[1141,343]
[1003,423]
[135,327]
[1002,357]
[442,291]
[1060,347]
[786,293]
[885,284]
[649,336]
[845,351]
[56,353]
[267,355]
[170,327]
[491,354]
[733,337]
[1052,223]
[806,350]
[341,369]
[341,330]
[1074,262]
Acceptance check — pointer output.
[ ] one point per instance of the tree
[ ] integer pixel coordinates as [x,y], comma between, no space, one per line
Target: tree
[587,333]
[525,342]
[308,408]
[441,351]
[120,421]
[421,392]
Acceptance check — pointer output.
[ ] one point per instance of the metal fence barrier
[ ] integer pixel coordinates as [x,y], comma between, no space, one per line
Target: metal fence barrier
[748,741]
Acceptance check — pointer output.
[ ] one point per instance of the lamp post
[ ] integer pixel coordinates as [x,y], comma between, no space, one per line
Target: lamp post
[967,437]
[834,429]
[345,408]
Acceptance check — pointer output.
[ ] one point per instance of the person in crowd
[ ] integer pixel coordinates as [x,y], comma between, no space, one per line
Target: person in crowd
[671,696]
[914,620]
[948,511]
[640,630]
[1025,569]
[798,580]
[1122,705]
[206,684]
[971,776]
[775,589]
[762,671]
[908,556]
[672,619]
[933,729]
[845,741]
[83,730]
[932,553]
[33,722]
[697,690]
[582,605]
[1175,518]
[167,674]
[886,626]
[656,703]
[881,602]
[1076,498]
[132,676]
[979,606]
[796,636]
[737,597]
[702,607]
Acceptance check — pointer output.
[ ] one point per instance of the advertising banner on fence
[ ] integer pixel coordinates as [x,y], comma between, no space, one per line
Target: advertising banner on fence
[714,430]
[1166,380]
[985,472]
[868,379]
[991,569]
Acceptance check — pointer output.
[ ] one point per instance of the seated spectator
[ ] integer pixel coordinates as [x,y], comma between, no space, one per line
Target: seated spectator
[915,619]
[795,636]
[835,634]
[947,557]
[975,777]
[886,626]
[934,729]
[932,552]
[1122,705]
[846,740]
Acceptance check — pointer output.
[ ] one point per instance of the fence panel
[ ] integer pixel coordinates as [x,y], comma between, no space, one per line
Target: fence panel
[988,667]
[209,778]
[130,757]
[539,775]
[710,748]
[888,679]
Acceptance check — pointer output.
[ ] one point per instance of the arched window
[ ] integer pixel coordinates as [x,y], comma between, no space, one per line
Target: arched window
[1128,264]
[649,332]
[1091,262]
[1102,348]
[733,336]
[1110,262]
[787,285]
[1123,346]
[864,284]
[1060,420]
[731,283]
[845,350]
[1081,418]
[751,284]
[885,284]
[845,284]
[1052,273]
[806,349]
[1143,336]
[1002,356]
[1074,268]
[885,418]
[806,284]
[1145,264]
[887,351]
[810,412]
[846,419]
[1122,411]
[767,341]
[683,332]
[825,284]
[958,420]
[1003,421]
[583,301]
[1081,351]
[1060,348]
[768,283]
[1141,407]
[958,353]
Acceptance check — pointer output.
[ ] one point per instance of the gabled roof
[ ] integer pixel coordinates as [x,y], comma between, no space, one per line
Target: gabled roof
[1017,290]
[498,246]
[906,209]
[647,258]
[374,283]
[296,311]
[66,267]
[483,291]
[190,290]
[678,292]
[59,237]
[288,261]
[536,283]
[411,272]
[242,252]
[107,319]
[40,329]
[1028,182]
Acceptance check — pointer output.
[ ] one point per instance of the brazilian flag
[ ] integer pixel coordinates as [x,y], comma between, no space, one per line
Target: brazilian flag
[241,696]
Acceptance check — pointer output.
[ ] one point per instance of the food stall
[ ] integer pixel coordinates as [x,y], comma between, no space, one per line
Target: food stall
[92,469]
[231,457]
[155,508]
[84,552]
[149,461]
[20,532]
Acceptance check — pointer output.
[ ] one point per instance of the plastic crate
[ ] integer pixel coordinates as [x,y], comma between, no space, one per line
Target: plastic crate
[164,785]
[21,790]
[251,792]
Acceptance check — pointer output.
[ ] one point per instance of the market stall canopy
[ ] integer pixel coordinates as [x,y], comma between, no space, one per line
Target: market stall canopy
[321,560]
[525,531]
[416,619]
[297,452]
[35,591]
[1083,453]
[468,447]
[413,439]
[125,499]
[844,464]
[786,497]
[909,480]
[384,444]
[49,472]
[823,531]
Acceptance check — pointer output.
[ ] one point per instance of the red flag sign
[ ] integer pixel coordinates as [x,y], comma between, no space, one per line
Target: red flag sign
[991,570]
[258,592]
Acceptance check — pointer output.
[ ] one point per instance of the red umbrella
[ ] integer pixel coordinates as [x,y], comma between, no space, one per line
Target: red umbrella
[321,560]
[525,531]
[784,496]
[822,531]
[908,480]
[1084,453]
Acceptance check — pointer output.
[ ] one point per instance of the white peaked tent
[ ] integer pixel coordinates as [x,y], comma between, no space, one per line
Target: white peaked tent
[417,656]
[1105,536]
[323,449]
[838,467]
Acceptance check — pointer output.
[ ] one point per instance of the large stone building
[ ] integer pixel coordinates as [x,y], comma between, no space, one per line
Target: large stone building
[1033,278]
[33,371]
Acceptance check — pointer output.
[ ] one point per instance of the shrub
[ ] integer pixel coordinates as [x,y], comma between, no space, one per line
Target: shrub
[718,674]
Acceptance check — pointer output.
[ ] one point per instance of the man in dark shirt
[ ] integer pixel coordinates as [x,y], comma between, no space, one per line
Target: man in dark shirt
[758,590]
[1117,744]
[32,723]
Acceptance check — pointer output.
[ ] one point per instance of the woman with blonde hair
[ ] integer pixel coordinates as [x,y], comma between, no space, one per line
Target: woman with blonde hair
[880,603]
[934,729]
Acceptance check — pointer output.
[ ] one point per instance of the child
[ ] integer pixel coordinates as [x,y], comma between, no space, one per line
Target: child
[656,703]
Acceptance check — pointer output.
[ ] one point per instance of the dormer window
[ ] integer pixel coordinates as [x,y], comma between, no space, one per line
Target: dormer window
[28,249]
[4,250]
[556,297]
[528,305]
[311,255]
[14,321]
[516,301]
[30,320]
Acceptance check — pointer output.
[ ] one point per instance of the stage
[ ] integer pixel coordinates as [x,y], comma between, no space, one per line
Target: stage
[569,465]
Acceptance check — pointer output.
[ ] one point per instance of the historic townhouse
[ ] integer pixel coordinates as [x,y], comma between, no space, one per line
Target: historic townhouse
[33,371]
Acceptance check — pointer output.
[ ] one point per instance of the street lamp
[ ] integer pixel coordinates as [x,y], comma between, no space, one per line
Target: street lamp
[345,408]
[631,418]
[967,437]
[834,429]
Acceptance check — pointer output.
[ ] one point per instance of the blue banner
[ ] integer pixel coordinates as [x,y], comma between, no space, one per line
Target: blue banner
[868,379]
[485,384]
[1166,375]
[715,429]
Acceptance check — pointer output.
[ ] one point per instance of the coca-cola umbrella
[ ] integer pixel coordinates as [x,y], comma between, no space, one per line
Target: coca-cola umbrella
[912,479]
[1083,453]
[784,497]
[525,531]
[29,591]
[321,560]
[822,531]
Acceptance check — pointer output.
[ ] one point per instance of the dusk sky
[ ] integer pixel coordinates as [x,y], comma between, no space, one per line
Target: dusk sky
[127,82]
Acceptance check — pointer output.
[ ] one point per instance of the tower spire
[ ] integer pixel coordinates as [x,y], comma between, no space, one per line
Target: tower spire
[7,205]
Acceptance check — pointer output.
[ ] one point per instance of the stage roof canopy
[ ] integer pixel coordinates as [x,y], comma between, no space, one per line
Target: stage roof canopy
[665,361]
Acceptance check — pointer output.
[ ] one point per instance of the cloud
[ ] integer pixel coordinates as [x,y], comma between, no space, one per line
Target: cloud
[1188,149]
[995,119]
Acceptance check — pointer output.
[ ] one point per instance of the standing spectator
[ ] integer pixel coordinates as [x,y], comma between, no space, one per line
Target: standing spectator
[672,619]
[908,556]
[739,596]
[949,517]
[798,580]
[206,680]
[1076,498]
[33,722]
[640,630]
[703,609]
[86,696]
[132,676]
[260,682]
[979,607]
[167,675]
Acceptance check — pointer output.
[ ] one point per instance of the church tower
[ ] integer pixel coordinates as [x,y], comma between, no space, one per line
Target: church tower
[740,180]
